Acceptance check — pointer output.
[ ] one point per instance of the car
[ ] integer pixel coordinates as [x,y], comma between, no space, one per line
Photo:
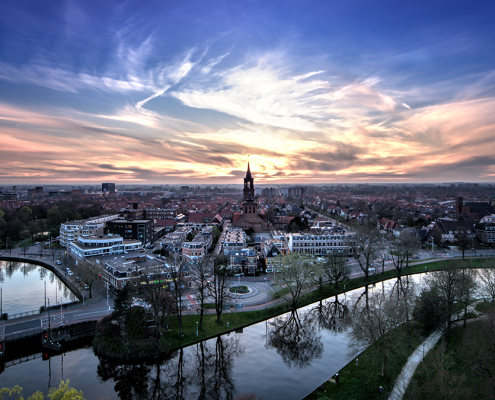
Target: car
[59,262]
[78,279]
[70,273]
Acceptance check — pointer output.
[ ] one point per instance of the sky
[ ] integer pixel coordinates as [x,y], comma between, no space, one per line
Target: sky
[185,91]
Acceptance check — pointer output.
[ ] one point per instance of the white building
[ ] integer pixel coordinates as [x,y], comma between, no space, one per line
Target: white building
[319,244]
[101,245]
[71,231]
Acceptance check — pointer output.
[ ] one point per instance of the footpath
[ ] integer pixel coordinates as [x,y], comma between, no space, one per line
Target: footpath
[402,381]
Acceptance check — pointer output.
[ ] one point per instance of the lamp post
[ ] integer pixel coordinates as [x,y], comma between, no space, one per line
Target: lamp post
[197,328]
[107,297]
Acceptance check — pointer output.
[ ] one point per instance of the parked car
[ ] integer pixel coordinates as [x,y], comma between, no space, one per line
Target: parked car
[70,273]
[78,279]
[59,262]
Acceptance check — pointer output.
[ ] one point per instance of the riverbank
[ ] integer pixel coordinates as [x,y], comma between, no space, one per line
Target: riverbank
[232,321]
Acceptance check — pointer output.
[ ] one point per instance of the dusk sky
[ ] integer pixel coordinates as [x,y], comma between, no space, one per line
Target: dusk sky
[183,91]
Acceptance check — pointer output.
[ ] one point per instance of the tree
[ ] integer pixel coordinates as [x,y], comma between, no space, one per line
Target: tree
[463,240]
[336,268]
[375,324]
[295,274]
[122,302]
[366,246]
[487,283]
[401,251]
[219,286]
[200,273]
[62,392]
[89,273]
[177,287]
[319,276]
[448,284]
[159,296]
[430,309]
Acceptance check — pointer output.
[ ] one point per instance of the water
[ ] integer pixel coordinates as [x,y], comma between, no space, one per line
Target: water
[283,358]
[23,287]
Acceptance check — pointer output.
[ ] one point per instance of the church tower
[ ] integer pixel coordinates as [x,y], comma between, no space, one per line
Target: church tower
[249,206]
[248,190]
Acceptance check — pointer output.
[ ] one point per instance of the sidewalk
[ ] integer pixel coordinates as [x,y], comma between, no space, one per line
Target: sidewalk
[402,381]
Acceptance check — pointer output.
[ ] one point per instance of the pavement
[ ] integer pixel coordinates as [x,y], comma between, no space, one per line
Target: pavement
[402,381]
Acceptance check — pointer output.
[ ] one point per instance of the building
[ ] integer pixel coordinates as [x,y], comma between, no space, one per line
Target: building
[250,219]
[108,187]
[71,231]
[473,210]
[234,239]
[272,252]
[448,230]
[100,245]
[243,261]
[296,191]
[320,244]
[136,229]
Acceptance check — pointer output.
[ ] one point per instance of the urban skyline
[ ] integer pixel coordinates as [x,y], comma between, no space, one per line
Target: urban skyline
[314,92]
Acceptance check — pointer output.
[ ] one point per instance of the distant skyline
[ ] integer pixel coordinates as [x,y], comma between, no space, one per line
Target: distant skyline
[170,92]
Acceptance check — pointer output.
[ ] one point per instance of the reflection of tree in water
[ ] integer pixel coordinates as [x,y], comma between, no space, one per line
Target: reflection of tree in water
[296,341]
[211,372]
[333,315]
[214,368]
[130,380]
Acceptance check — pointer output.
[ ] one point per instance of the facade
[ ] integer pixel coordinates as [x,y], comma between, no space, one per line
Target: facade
[243,261]
[448,230]
[234,239]
[320,244]
[71,231]
[108,187]
[100,245]
[273,251]
[137,229]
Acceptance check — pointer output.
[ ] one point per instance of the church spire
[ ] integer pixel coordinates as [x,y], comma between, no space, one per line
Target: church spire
[248,173]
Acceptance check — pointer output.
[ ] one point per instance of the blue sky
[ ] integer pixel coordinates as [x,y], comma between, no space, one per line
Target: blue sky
[183,91]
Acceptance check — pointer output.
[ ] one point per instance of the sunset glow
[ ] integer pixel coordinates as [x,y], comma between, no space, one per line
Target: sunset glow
[182,92]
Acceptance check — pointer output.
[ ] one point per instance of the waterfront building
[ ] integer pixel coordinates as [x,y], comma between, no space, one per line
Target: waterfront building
[71,231]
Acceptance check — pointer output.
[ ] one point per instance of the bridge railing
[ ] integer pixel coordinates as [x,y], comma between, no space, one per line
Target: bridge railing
[23,314]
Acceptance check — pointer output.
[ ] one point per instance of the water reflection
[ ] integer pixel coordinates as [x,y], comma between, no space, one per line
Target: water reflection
[333,314]
[23,287]
[205,373]
[297,340]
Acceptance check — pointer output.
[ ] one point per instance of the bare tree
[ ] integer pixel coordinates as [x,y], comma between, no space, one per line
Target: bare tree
[159,296]
[295,275]
[367,243]
[319,276]
[177,287]
[375,325]
[402,251]
[336,268]
[487,283]
[219,287]
[447,284]
[200,273]
[89,273]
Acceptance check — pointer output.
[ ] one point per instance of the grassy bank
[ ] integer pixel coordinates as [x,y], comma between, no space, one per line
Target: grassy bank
[232,320]
[362,381]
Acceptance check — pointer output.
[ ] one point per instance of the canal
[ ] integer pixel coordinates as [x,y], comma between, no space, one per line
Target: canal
[283,358]
[23,287]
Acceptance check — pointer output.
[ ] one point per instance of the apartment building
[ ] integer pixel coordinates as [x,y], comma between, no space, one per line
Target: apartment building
[101,245]
[71,231]
[319,244]
[234,239]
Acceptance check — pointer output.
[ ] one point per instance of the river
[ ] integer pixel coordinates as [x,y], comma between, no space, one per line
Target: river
[283,358]
[23,287]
